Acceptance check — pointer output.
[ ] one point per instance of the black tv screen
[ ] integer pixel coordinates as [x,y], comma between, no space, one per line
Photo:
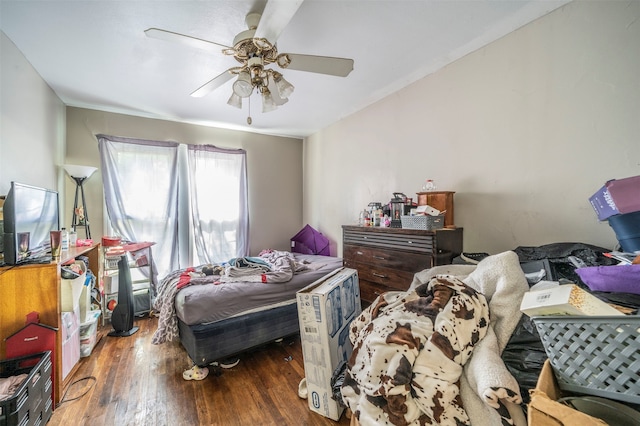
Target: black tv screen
[30,213]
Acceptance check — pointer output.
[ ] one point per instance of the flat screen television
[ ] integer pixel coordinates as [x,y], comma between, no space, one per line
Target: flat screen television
[30,213]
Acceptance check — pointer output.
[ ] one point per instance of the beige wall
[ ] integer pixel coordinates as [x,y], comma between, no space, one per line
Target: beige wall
[274,168]
[32,124]
[524,130]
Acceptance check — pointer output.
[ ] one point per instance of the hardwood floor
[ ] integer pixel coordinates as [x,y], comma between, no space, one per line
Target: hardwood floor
[130,381]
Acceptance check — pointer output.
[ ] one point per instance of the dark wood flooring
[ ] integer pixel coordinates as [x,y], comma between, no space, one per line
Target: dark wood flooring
[130,381]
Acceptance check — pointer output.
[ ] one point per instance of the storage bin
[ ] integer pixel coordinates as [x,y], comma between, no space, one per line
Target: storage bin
[31,404]
[89,333]
[627,229]
[594,355]
[425,222]
[70,341]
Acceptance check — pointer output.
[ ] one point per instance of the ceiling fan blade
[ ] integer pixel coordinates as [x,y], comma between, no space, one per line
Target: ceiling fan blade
[185,39]
[275,17]
[213,84]
[340,67]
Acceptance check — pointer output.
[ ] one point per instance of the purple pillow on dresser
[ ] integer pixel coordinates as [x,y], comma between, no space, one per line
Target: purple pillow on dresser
[617,278]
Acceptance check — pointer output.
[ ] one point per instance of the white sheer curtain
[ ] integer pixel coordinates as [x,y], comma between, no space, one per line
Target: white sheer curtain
[141,194]
[218,195]
[142,184]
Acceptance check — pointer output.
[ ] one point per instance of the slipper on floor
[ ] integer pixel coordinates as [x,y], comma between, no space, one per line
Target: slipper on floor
[302,388]
[195,373]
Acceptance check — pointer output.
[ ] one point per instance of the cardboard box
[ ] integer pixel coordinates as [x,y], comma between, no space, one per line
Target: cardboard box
[325,310]
[544,410]
[565,299]
[617,196]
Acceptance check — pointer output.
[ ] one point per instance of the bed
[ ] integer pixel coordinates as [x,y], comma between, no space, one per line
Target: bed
[216,318]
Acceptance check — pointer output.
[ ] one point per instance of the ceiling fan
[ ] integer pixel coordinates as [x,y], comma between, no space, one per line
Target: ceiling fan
[255,49]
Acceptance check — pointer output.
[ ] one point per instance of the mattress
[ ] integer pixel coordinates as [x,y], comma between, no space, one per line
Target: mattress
[204,304]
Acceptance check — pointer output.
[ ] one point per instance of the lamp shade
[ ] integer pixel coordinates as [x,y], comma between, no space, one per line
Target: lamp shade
[267,102]
[79,171]
[235,100]
[243,86]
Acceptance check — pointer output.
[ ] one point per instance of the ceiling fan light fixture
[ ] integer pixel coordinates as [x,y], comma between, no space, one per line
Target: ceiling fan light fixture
[243,87]
[285,89]
[268,104]
[235,101]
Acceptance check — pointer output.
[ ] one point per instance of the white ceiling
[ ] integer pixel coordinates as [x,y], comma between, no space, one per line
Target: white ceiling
[94,53]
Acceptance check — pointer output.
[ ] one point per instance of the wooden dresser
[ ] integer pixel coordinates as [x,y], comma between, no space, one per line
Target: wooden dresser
[387,258]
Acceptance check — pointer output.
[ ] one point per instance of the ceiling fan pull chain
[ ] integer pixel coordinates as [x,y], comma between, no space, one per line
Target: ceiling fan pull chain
[249,116]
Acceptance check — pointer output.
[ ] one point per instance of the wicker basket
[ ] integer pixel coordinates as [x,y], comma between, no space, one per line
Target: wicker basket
[425,222]
[594,355]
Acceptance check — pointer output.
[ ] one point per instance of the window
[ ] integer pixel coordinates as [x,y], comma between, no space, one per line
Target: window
[191,200]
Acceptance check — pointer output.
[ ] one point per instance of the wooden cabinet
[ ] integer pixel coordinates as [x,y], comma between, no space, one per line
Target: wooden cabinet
[441,200]
[28,288]
[387,258]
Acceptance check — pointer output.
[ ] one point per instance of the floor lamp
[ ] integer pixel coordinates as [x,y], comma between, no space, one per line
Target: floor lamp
[80,216]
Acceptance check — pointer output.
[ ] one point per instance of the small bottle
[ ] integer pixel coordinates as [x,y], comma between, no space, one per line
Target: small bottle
[73,237]
[64,245]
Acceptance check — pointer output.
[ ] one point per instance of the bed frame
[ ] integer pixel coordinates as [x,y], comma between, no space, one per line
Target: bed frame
[206,343]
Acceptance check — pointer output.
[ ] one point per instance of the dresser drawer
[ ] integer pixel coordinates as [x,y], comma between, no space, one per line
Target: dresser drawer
[370,290]
[420,243]
[405,261]
[393,278]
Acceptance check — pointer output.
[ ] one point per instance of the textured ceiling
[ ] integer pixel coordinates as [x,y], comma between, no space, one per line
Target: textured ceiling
[94,53]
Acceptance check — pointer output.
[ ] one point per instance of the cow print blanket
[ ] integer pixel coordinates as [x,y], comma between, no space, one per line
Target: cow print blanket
[413,350]
[409,349]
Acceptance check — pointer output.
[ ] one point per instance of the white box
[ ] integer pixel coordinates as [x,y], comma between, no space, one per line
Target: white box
[111,283]
[325,310]
[565,299]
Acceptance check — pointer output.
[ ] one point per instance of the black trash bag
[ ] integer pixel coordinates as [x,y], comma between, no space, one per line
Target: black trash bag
[337,379]
[558,255]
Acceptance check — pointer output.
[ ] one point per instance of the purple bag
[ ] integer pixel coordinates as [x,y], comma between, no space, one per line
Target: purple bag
[617,278]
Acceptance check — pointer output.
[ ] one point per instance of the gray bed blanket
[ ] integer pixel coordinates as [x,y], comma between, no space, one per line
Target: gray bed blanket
[199,299]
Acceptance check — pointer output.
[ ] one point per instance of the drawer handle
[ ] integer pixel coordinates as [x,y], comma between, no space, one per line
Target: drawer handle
[409,242]
[379,275]
[379,257]
[359,253]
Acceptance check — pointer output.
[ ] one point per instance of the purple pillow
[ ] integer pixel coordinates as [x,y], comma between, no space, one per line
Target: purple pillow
[617,278]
